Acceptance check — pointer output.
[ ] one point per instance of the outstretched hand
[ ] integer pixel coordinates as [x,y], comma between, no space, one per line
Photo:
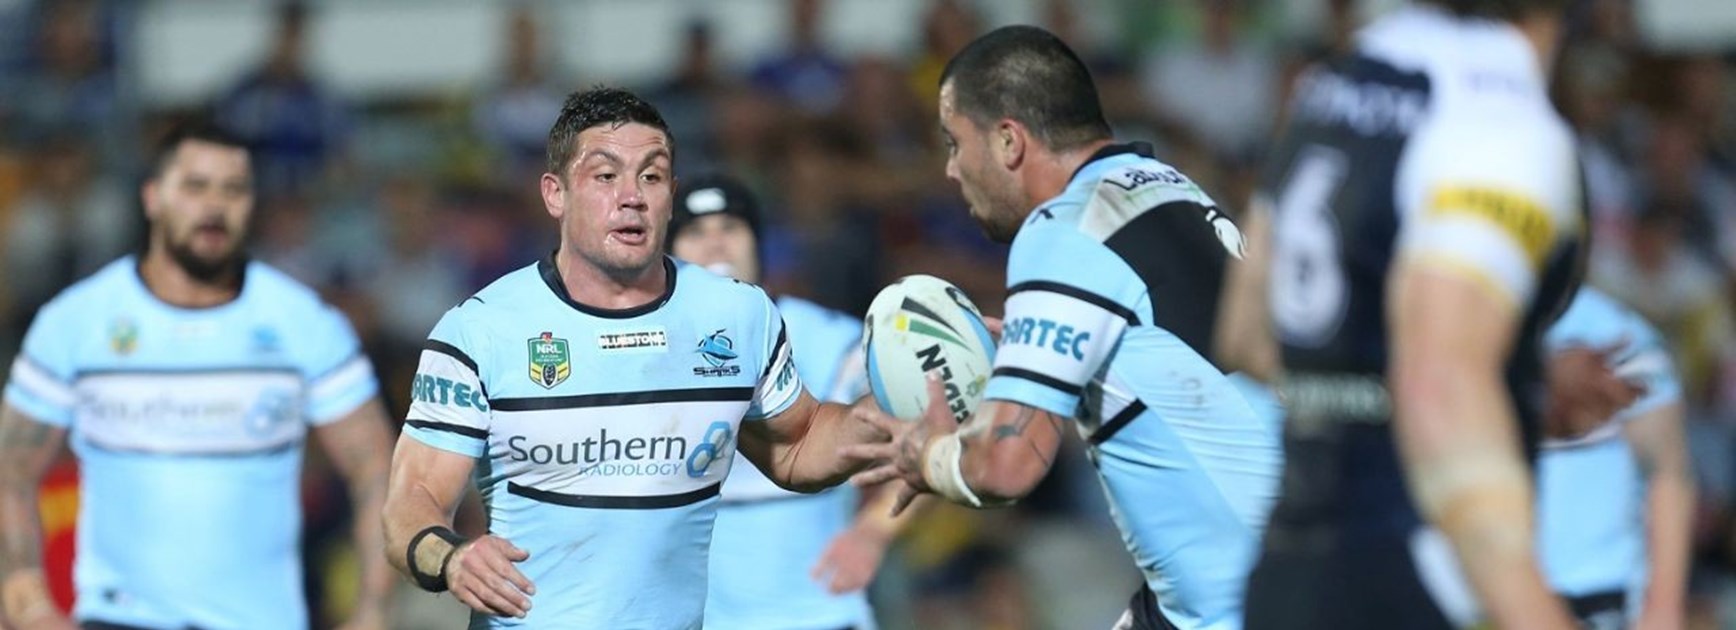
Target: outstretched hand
[901,456]
[1585,391]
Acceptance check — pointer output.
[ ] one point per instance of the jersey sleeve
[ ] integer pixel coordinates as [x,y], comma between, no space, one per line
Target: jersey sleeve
[779,385]
[1493,202]
[448,401]
[40,385]
[340,378]
[1069,299]
[1597,320]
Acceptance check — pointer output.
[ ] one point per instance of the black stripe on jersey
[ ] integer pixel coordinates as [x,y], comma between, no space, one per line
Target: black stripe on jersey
[776,348]
[247,452]
[1178,254]
[435,345]
[601,502]
[469,432]
[621,399]
[149,370]
[1114,425]
[1040,379]
[1078,294]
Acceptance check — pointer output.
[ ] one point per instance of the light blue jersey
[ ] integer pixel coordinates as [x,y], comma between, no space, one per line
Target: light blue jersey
[189,426]
[768,539]
[1591,515]
[602,437]
[1112,289]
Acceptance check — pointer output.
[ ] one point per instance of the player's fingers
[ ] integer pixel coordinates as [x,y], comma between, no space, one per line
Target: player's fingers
[938,413]
[994,325]
[875,476]
[483,599]
[868,452]
[878,419]
[502,597]
[906,494]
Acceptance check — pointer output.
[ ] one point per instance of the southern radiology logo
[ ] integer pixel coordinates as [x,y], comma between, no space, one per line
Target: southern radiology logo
[550,361]
[718,350]
[605,455]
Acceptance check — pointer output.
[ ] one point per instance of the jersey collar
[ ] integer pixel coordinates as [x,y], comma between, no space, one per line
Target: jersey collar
[551,276]
[1141,149]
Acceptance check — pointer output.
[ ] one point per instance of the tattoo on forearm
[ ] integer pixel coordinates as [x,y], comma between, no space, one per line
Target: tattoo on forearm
[1016,428]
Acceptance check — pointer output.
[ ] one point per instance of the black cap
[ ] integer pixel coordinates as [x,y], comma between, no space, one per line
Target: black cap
[714,193]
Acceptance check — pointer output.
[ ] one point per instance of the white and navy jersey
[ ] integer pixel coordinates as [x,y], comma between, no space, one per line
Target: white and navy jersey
[602,437]
[1434,142]
[1112,295]
[189,426]
[1591,495]
[768,539]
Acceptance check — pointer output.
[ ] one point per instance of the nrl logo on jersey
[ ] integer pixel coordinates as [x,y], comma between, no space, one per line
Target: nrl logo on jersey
[717,350]
[550,362]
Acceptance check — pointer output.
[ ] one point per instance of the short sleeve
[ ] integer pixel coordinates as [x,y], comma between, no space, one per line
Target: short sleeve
[1490,201]
[779,385]
[448,401]
[1069,299]
[340,378]
[40,385]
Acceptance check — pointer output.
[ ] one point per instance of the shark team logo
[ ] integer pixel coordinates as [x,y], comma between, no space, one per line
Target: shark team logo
[718,350]
[550,363]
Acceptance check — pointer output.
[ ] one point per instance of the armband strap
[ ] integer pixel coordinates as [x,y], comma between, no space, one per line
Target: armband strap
[940,470]
[437,582]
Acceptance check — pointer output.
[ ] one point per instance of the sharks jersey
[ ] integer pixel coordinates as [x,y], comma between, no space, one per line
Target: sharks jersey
[768,539]
[602,437]
[1590,516]
[1112,295]
[189,424]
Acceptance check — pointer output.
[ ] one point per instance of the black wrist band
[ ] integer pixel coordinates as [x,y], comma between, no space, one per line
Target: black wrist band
[431,583]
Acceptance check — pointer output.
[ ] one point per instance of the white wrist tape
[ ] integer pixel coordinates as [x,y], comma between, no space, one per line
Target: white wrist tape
[940,469]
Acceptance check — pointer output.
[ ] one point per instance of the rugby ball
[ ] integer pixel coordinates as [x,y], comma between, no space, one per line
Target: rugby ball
[923,324]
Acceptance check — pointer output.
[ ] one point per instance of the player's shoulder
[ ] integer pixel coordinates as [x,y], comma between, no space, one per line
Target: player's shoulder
[696,286]
[512,296]
[95,294]
[279,291]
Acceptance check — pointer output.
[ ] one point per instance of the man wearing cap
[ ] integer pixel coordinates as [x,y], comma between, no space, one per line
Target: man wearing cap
[782,560]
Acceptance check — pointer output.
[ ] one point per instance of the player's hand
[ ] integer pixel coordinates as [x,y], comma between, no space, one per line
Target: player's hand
[1584,390]
[851,560]
[481,575]
[901,456]
[994,325]
[1654,618]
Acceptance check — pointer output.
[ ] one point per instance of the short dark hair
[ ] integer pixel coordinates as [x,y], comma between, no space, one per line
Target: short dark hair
[1505,9]
[192,130]
[1027,74]
[595,107]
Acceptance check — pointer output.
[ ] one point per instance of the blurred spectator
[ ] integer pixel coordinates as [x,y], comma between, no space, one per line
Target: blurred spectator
[688,98]
[69,84]
[70,221]
[1679,175]
[294,125]
[514,116]
[417,278]
[822,244]
[946,28]
[805,75]
[1591,84]
[1220,87]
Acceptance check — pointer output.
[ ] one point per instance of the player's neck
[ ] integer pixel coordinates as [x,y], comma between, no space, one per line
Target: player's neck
[1051,172]
[591,286]
[172,284]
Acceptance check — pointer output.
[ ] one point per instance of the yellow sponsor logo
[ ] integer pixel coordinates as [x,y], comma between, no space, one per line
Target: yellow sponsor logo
[1527,221]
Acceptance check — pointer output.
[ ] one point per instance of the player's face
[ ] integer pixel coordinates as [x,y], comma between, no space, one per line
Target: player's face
[615,199]
[989,189]
[199,205]
[720,242]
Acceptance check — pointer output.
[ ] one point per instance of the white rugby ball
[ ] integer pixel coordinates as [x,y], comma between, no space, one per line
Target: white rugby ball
[921,324]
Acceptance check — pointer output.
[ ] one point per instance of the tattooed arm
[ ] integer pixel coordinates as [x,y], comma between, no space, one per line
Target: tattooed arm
[360,447]
[27,447]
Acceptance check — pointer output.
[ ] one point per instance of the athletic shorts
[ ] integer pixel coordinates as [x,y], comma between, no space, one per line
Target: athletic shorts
[1143,613]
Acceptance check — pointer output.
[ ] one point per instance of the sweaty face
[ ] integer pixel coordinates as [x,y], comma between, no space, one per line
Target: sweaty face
[199,206]
[991,192]
[615,198]
[720,242]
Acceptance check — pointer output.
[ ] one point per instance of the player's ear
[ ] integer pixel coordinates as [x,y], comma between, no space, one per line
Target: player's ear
[1009,142]
[148,197]
[554,195]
